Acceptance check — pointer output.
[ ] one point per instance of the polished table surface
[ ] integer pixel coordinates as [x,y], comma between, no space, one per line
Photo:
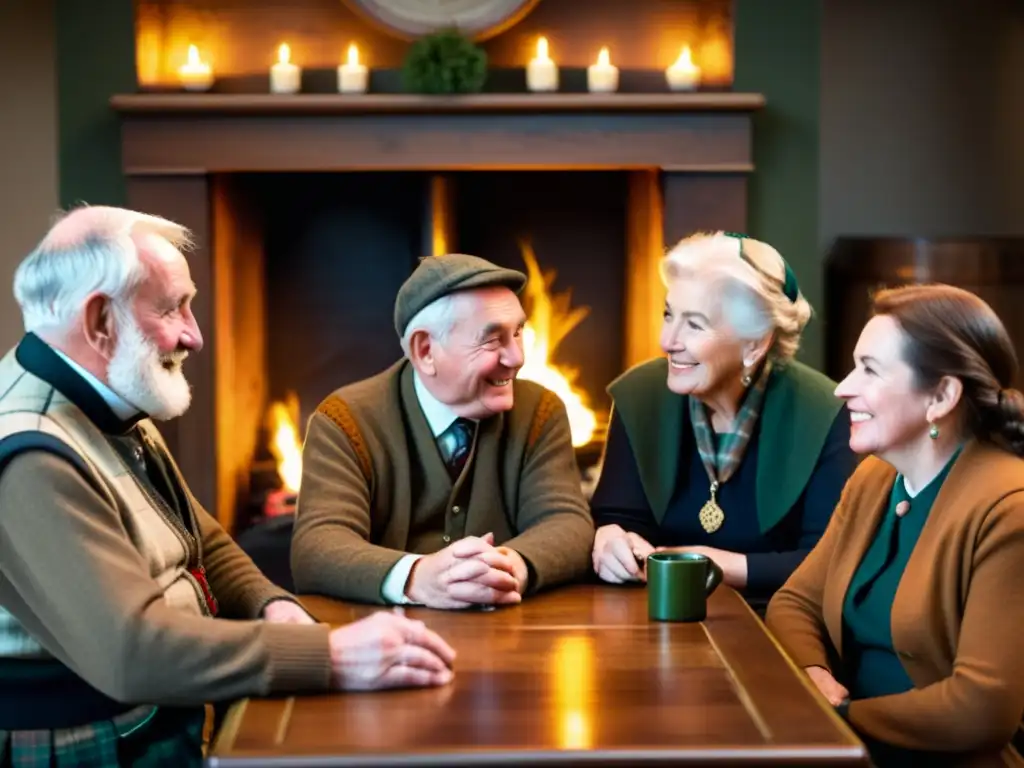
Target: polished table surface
[575,675]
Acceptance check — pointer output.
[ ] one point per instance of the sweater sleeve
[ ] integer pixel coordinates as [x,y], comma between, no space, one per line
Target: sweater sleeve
[836,462]
[240,587]
[556,533]
[331,550]
[795,612]
[619,498]
[979,706]
[77,584]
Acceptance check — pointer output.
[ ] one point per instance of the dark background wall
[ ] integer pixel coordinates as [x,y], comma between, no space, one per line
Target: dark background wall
[28,142]
[922,118]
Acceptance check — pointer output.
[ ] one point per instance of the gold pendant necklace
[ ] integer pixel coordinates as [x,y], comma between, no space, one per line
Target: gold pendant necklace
[711,515]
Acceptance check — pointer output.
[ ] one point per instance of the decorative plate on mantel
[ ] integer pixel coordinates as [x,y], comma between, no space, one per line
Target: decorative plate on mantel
[477,19]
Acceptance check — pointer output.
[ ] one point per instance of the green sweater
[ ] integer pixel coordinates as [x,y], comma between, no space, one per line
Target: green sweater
[872,666]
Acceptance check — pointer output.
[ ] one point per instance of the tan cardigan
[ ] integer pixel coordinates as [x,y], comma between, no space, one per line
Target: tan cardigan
[374,487]
[958,614]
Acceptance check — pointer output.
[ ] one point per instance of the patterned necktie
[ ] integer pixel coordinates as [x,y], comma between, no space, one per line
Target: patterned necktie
[456,442]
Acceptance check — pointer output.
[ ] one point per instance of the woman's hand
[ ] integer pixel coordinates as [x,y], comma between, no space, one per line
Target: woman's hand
[828,685]
[619,555]
[733,564]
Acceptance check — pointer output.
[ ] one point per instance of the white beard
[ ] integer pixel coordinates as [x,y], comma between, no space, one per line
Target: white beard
[153,383]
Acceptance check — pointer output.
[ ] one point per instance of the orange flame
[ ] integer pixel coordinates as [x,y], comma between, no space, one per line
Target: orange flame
[285,445]
[550,319]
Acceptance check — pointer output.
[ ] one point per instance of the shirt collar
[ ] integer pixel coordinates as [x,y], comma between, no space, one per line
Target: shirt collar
[121,407]
[439,416]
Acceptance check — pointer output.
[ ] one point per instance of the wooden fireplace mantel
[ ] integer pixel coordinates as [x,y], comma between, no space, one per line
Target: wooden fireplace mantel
[214,133]
[185,157]
[330,104]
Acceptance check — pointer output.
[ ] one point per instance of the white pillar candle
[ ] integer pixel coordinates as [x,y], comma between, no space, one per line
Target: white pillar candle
[683,75]
[352,76]
[602,77]
[285,77]
[541,71]
[195,74]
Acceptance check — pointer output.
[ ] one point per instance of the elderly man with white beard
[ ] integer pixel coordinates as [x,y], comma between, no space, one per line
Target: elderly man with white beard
[124,607]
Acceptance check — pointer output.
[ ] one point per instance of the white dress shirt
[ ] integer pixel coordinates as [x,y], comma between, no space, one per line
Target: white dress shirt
[121,407]
[439,417]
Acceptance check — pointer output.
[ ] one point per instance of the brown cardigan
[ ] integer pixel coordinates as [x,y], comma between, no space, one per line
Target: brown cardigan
[374,487]
[958,614]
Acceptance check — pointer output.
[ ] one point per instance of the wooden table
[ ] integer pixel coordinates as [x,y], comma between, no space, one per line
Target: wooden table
[578,675]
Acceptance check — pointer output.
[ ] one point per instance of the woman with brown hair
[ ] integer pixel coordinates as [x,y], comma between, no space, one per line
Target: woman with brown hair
[907,615]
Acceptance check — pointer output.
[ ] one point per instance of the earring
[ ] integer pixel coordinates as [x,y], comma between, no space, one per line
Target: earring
[933,431]
[746,378]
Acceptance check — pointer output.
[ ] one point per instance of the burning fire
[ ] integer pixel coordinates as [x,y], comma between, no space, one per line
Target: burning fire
[284,441]
[550,320]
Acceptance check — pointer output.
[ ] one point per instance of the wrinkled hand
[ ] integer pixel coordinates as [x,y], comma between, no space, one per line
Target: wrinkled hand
[387,650]
[519,568]
[616,555]
[470,571]
[828,685]
[733,564]
[286,612]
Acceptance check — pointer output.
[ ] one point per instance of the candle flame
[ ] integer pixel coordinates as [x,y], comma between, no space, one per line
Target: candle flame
[685,60]
[603,58]
[353,55]
[194,65]
[284,53]
[542,48]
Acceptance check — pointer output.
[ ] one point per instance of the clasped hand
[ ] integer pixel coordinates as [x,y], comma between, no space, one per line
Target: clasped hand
[470,571]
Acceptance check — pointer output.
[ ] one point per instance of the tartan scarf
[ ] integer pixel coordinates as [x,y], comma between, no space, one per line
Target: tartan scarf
[720,463]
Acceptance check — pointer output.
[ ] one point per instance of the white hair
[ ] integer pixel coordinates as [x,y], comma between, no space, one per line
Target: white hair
[92,249]
[438,319]
[749,287]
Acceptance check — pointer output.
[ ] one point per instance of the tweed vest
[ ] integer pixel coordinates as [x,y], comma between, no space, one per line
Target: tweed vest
[34,413]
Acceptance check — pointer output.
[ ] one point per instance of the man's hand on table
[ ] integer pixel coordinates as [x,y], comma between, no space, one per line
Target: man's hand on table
[470,571]
[619,555]
[387,650]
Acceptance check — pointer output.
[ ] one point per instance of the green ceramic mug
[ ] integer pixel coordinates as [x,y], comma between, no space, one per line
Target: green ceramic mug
[678,585]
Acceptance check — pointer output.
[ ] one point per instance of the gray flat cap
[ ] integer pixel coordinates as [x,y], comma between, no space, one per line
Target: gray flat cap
[439,276]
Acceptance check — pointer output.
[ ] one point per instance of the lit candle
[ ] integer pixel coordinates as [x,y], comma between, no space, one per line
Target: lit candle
[541,71]
[602,77]
[352,75]
[285,77]
[684,75]
[195,74]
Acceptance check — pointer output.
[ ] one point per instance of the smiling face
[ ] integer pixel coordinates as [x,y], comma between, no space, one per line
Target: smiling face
[155,334]
[888,414]
[705,357]
[472,370]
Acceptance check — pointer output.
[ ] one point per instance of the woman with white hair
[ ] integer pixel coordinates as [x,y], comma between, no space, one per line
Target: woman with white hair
[726,446]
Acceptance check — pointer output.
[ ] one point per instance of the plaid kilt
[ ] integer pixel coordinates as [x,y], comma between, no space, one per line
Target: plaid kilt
[145,737]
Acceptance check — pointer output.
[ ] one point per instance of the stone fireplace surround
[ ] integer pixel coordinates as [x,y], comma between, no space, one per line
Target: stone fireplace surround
[689,157]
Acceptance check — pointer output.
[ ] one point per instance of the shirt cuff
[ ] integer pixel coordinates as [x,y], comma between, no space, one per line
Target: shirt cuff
[393,589]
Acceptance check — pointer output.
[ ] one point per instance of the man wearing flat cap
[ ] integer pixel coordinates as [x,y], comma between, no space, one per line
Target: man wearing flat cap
[443,481]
